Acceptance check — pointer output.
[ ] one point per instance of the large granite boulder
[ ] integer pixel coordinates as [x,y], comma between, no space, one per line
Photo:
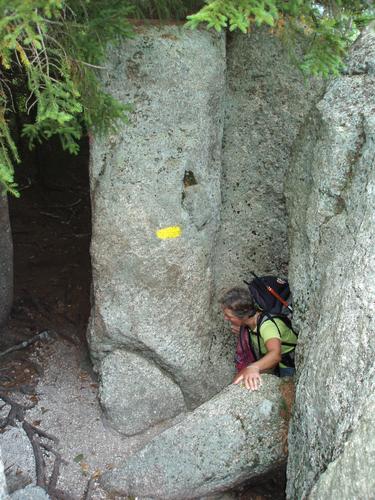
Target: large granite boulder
[119,397]
[331,203]
[155,188]
[235,436]
[6,261]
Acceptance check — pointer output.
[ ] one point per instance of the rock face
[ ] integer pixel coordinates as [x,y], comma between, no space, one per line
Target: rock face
[351,475]
[267,101]
[6,261]
[331,206]
[18,459]
[233,437]
[156,298]
[119,397]
[3,484]
[151,295]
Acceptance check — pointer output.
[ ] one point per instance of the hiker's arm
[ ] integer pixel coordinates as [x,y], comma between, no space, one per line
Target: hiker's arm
[251,374]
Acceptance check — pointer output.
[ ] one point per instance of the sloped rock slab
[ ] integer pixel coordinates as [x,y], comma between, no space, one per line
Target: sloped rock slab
[235,436]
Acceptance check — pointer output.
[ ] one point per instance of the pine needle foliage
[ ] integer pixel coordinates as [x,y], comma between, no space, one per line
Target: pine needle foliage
[328,26]
[51,53]
[165,9]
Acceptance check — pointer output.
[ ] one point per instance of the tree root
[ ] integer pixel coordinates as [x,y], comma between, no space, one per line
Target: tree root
[35,435]
[89,488]
[39,336]
[38,454]
[17,411]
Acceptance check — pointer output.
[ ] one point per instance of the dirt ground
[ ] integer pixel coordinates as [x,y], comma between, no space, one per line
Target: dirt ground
[50,385]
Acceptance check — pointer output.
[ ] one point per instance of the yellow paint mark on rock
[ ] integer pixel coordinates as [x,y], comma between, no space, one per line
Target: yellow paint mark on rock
[169,232]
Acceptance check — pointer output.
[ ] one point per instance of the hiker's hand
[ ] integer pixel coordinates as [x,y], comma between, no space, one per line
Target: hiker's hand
[250,376]
[235,329]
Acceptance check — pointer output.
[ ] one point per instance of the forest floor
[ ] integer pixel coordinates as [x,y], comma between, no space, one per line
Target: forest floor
[52,430]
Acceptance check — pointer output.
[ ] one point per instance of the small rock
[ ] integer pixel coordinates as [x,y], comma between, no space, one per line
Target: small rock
[30,493]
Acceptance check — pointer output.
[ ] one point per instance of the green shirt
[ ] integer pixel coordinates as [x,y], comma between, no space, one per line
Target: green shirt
[268,330]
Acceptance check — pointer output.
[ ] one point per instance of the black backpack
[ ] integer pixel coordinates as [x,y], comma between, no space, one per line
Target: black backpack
[273,297]
[271,294]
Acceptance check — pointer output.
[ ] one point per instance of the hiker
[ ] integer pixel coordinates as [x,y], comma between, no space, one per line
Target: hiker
[266,342]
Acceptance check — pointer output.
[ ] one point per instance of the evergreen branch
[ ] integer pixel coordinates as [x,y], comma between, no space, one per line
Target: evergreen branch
[47,40]
[328,27]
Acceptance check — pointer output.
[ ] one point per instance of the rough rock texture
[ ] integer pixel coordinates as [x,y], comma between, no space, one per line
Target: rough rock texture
[30,493]
[151,295]
[6,261]
[227,440]
[345,478]
[3,484]
[331,202]
[18,457]
[156,298]
[267,101]
[119,397]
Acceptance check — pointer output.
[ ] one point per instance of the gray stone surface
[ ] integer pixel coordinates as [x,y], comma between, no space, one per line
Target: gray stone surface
[331,204]
[18,457]
[267,101]
[227,440]
[30,493]
[6,261]
[157,297]
[150,295]
[119,397]
[345,477]
[3,484]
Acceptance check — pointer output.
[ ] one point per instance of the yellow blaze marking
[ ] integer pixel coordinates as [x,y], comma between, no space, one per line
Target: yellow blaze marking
[169,232]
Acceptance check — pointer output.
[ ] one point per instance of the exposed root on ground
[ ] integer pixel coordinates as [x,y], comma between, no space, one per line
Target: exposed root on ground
[37,438]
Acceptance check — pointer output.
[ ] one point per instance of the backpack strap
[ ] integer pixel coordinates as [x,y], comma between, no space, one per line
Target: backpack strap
[246,331]
[283,318]
[265,316]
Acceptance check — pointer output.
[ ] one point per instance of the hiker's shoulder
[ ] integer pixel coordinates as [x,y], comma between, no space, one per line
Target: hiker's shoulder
[272,325]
